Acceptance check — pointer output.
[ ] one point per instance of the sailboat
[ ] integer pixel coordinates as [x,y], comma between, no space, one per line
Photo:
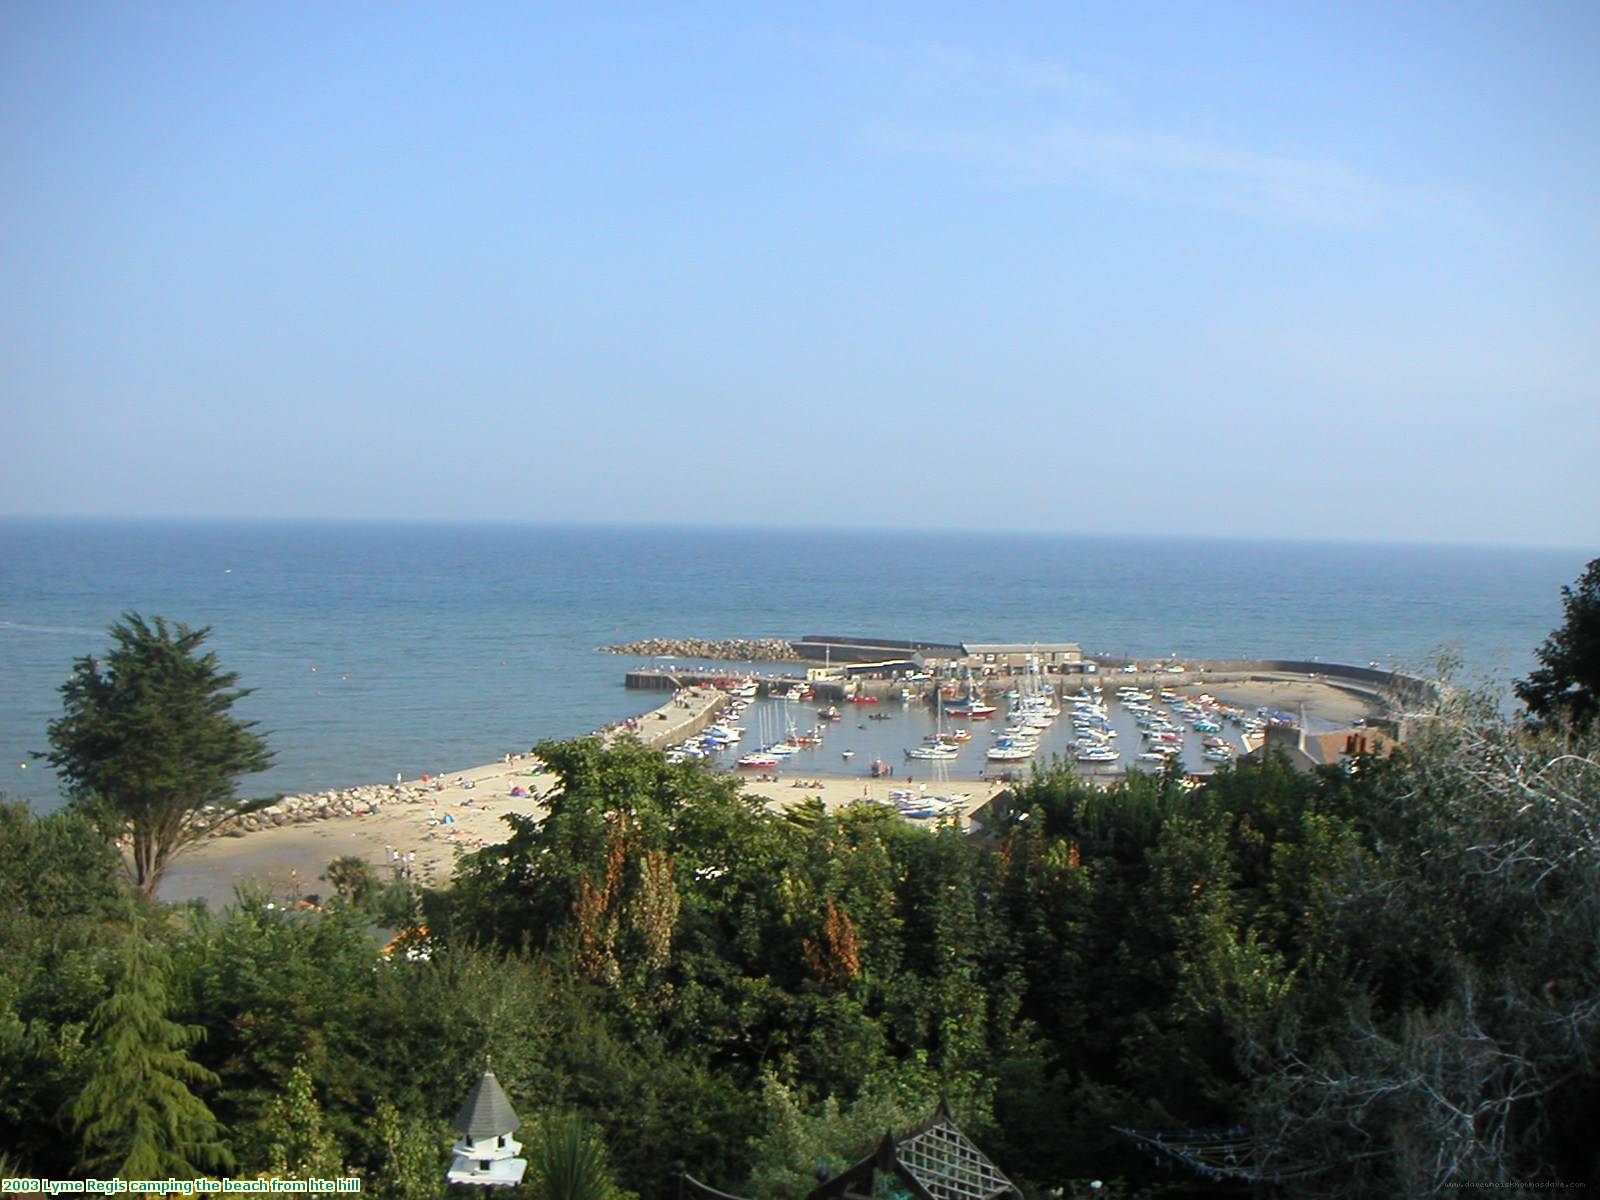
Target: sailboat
[940,750]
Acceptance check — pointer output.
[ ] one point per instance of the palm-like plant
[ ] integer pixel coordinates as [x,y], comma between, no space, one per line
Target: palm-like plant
[569,1162]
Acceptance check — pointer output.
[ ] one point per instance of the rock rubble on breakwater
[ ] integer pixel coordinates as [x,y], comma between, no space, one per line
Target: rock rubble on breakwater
[317,806]
[729,649]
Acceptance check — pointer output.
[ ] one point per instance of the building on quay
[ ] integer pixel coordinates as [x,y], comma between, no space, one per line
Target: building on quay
[889,655]
[1011,658]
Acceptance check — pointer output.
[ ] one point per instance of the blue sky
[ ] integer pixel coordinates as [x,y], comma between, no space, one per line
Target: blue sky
[1280,270]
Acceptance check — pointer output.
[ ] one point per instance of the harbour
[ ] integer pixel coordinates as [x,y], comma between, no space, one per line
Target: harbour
[988,712]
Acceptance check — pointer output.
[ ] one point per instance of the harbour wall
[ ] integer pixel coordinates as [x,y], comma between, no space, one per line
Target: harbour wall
[691,709]
[1369,683]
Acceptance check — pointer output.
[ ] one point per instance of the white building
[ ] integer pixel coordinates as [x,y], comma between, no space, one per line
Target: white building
[1005,658]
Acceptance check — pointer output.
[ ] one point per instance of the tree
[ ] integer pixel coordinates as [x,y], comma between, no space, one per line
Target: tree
[1568,685]
[147,744]
[412,1150]
[352,878]
[798,1140]
[299,1145]
[1459,944]
[59,897]
[136,1114]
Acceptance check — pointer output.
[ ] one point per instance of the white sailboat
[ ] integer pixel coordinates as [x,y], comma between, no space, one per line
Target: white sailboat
[939,750]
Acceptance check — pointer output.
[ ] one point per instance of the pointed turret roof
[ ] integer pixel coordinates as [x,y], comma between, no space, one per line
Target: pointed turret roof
[486,1112]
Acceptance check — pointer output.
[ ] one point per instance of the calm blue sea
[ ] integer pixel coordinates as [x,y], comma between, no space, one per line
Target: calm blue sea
[376,648]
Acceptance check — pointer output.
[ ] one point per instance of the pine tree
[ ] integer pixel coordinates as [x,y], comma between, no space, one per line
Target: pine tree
[146,741]
[1568,684]
[136,1115]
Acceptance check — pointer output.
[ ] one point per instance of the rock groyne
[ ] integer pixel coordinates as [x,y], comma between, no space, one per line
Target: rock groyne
[722,649]
[328,805]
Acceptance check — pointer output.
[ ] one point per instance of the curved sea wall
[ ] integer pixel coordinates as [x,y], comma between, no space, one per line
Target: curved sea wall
[1369,681]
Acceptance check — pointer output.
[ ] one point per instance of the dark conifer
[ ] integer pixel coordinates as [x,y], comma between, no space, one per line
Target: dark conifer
[146,741]
[136,1115]
[1568,685]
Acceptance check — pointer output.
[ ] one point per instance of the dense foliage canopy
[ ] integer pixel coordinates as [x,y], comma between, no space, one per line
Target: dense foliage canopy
[1386,977]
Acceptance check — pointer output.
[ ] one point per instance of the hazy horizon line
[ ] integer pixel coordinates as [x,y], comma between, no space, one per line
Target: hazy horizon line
[777,527]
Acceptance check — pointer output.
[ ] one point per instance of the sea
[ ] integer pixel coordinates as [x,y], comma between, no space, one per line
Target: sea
[373,649]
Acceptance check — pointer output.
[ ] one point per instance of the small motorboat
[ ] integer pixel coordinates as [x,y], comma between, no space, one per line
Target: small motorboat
[847,755]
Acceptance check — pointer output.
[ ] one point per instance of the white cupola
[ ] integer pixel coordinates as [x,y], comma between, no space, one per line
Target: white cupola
[486,1154]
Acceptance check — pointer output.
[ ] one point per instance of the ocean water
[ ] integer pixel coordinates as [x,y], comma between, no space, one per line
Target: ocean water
[377,648]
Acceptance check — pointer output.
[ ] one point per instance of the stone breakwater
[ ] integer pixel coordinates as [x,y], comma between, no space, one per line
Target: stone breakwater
[728,649]
[319,806]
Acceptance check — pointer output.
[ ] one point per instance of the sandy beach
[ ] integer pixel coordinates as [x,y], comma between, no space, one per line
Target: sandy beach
[292,858]
[419,825]
[437,819]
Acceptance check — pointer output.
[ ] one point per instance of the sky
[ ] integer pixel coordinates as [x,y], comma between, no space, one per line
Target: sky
[1301,271]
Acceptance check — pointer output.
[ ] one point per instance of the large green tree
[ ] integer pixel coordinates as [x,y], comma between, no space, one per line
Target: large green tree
[136,1115]
[147,740]
[59,902]
[1568,684]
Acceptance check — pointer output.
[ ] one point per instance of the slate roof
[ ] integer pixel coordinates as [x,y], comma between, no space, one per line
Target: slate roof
[486,1112]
